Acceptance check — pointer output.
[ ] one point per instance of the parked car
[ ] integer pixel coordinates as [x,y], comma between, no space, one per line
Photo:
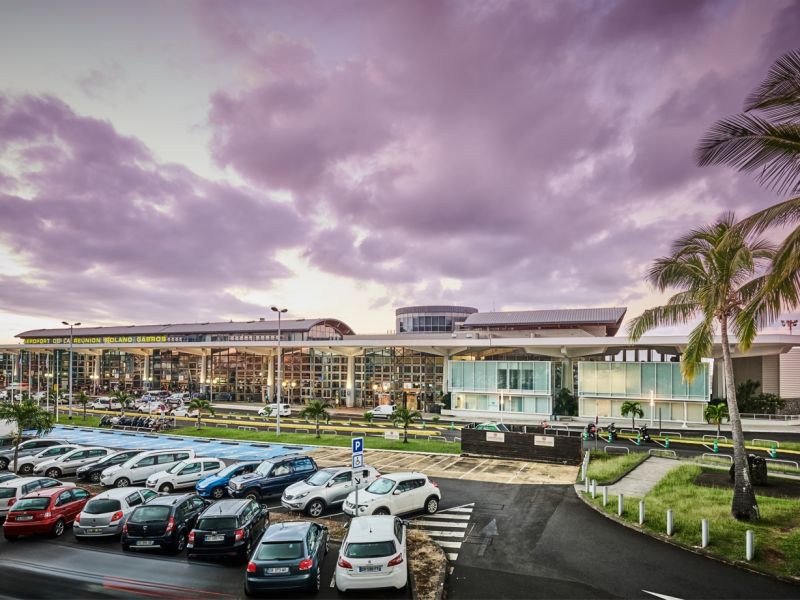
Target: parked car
[4,477]
[68,463]
[141,466]
[325,488]
[183,411]
[13,490]
[288,556]
[395,494]
[491,426]
[228,528]
[271,477]
[178,399]
[383,410]
[214,486]
[184,474]
[93,471]
[39,396]
[154,395]
[154,407]
[28,464]
[286,410]
[106,513]
[164,522]
[46,511]
[373,555]
[105,403]
[27,448]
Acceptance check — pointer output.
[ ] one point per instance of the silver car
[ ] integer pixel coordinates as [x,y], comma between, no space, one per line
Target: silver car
[28,464]
[106,513]
[68,463]
[27,448]
[325,488]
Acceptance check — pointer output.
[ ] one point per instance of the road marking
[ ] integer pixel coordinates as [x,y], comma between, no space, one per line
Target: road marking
[662,596]
[451,556]
[451,534]
[428,522]
[472,469]
[444,544]
[442,515]
[461,509]
[333,579]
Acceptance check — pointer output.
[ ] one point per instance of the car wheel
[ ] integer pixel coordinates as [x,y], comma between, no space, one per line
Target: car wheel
[166,488]
[381,511]
[181,544]
[316,583]
[3,464]
[315,508]
[253,495]
[122,482]
[431,505]
[217,493]
[58,528]
[247,591]
[54,473]
[95,477]
[26,469]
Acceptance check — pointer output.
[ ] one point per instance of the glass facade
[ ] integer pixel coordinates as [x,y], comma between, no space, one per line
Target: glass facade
[510,386]
[603,379]
[431,319]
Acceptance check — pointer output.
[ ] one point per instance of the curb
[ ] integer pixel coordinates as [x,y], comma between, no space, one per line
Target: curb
[700,552]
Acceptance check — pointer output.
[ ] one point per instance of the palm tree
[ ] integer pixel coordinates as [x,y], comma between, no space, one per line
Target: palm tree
[123,398]
[83,400]
[632,409]
[200,404]
[25,415]
[402,417]
[714,413]
[715,268]
[315,409]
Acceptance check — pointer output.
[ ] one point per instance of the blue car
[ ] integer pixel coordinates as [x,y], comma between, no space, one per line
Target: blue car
[214,486]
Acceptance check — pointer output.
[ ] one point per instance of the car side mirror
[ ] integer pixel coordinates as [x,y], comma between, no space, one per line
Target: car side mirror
[396,493]
[329,484]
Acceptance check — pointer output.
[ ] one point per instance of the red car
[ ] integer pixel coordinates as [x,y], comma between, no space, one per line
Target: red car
[46,511]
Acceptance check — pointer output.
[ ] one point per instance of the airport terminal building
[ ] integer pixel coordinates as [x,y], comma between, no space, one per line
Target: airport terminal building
[480,364]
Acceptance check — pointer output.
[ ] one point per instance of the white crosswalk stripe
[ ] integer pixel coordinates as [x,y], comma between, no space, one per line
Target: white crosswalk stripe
[447,527]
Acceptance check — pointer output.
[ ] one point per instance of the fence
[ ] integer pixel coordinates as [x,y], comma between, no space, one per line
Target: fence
[523,446]
[770,417]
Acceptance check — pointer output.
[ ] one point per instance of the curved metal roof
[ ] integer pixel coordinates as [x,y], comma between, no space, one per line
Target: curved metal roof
[557,317]
[435,308]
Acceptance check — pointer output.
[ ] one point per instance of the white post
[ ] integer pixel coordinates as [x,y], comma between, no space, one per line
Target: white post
[670,523]
[594,488]
[620,504]
[641,512]
[280,371]
[704,533]
[605,495]
[271,378]
[652,407]
[750,544]
[586,484]
[350,385]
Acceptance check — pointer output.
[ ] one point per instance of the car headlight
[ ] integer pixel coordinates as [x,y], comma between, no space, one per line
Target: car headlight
[302,495]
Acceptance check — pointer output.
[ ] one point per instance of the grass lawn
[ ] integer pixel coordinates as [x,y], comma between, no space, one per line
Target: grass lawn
[608,468]
[777,534]
[77,419]
[374,443]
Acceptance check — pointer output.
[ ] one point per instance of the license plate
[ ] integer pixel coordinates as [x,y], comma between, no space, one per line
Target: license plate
[368,569]
[94,530]
[25,518]
[215,538]
[277,570]
[145,543]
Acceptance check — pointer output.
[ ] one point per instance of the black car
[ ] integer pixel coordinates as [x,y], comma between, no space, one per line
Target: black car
[164,522]
[228,528]
[271,477]
[92,472]
[289,556]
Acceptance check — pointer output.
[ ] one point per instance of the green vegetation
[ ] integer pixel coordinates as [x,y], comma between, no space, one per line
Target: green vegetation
[83,400]
[715,413]
[200,405]
[371,443]
[403,417]
[565,403]
[89,421]
[631,409]
[608,468]
[752,402]
[23,415]
[777,533]
[315,409]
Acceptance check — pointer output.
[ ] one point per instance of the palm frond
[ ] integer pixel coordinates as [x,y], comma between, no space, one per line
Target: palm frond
[701,343]
[661,316]
[778,96]
[778,215]
[749,143]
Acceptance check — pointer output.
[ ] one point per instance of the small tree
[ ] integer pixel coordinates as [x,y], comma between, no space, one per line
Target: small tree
[267,412]
[83,400]
[565,403]
[316,409]
[200,405]
[368,416]
[25,415]
[714,413]
[632,409]
[123,398]
[403,417]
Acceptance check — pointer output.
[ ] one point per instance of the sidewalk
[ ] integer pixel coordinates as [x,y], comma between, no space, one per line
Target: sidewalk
[644,477]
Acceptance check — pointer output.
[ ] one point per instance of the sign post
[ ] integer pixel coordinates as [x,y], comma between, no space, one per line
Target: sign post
[358,462]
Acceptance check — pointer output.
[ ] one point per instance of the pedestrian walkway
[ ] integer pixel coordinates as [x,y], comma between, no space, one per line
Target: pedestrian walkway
[644,477]
[448,528]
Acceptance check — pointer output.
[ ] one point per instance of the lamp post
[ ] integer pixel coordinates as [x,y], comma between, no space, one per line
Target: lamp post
[790,323]
[49,378]
[94,384]
[291,397]
[280,311]
[652,407]
[70,325]
[374,395]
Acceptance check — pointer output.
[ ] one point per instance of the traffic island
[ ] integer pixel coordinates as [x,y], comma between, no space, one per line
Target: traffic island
[427,567]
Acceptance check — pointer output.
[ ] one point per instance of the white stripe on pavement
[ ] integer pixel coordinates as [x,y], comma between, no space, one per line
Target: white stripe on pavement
[445,515]
[455,545]
[427,523]
[452,556]
[450,534]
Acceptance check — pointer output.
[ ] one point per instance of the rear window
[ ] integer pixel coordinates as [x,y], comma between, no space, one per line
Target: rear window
[370,549]
[280,551]
[102,506]
[150,513]
[217,523]
[7,492]
[32,504]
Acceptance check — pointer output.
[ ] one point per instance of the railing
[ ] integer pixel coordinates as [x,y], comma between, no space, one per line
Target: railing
[662,452]
[625,448]
[770,417]
[712,455]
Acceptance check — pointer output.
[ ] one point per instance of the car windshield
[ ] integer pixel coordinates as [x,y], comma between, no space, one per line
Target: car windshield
[102,506]
[7,492]
[319,478]
[382,485]
[32,504]
[216,523]
[176,467]
[229,470]
[369,549]
[280,551]
[264,468]
[147,514]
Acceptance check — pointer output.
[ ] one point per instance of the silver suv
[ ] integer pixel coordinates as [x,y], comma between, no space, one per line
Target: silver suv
[27,448]
[325,488]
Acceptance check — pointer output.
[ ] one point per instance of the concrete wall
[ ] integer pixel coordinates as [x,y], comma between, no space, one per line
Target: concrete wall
[748,368]
[789,366]
[770,384]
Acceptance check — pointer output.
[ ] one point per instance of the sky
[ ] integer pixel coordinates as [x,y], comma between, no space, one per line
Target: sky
[165,162]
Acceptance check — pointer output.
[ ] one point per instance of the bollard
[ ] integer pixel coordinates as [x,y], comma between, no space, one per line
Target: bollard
[669,522]
[773,452]
[638,439]
[586,485]
[605,495]
[452,426]
[620,504]
[716,446]
[594,488]
[585,436]
[666,442]
[704,533]
[583,472]
[750,544]
[641,512]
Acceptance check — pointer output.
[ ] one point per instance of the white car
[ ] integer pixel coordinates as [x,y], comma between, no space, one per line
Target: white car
[184,474]
[286,410]
[26,465]
[383,410]
[183,411]
[138,468]
[39,396]
[68,464]
[13,490]
[106,513]
[373,555]
[105,403]
[395,494]
[152,408]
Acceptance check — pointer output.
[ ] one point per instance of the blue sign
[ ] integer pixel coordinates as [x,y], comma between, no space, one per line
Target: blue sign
[358,461]
[358,445]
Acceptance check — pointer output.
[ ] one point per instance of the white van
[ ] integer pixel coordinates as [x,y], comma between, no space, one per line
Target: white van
[140,467]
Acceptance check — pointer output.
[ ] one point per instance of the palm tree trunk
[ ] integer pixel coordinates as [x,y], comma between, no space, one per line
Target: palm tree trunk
[744,506]
[405,434]
[316,421]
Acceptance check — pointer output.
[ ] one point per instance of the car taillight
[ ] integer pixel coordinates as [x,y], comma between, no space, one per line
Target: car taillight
[239,534]
[305,564]
[397,560]
[11,501]
[116,516]
[171,524]
[125,528]
[191,537]
[344,564]
[78,518]
[251,567]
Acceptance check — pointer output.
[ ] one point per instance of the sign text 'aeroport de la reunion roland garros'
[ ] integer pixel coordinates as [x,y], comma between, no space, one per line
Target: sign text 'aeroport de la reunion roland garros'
[107,339]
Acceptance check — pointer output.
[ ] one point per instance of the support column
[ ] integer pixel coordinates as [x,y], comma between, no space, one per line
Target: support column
[350,385]
[203,373]
[567,377]
[30,374]
[445,374]
[271,379]
[15,368]
[146,371]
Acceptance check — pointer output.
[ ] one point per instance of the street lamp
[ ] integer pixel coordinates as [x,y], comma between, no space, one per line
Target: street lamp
[70,325]
[280,311]
[790,323]
[294,385]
